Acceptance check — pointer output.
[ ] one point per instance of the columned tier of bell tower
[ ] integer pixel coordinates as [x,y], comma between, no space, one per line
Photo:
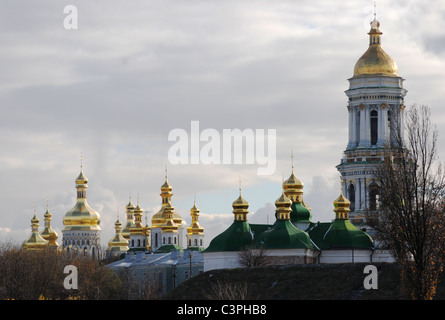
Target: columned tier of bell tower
[374,106]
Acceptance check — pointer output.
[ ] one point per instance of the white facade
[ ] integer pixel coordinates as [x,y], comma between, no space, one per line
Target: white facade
[231,259]
[82,241]
[195,240]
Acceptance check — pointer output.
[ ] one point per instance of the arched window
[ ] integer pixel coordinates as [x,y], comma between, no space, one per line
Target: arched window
[374,127]
[351,196]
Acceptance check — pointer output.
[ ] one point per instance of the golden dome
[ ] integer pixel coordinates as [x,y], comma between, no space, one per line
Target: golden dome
[35,241]
[293,188]
[240,208]
[166,186]
[195,227]
[283,201]
[283,204]
[341,207]
[82,216]
[48,233]
[375,60]
[293,182]
[160,218]
[118,240]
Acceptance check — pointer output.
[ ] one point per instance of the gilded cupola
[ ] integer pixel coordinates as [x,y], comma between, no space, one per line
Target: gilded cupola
[159,218]
[118,243]
[341,207]
[35,241]
[375,61]
[82,216]
[48,233]
[240,207]
[283,205]
[130,219]
[195,227]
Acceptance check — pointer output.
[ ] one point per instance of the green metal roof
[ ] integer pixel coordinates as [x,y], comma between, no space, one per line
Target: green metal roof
[168,248]
[235,238]
[284,235]
[339,234]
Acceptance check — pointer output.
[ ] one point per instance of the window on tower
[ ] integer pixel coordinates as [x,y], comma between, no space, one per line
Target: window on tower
[351,196]
[374,127]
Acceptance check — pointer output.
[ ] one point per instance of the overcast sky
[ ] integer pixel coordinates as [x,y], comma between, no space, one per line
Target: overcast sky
[134,70]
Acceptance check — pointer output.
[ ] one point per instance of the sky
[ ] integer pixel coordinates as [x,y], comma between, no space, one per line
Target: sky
[113,90]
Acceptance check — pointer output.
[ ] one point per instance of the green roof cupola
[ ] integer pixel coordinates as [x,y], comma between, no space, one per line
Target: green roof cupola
[283,234]
[293,188]
[342,234]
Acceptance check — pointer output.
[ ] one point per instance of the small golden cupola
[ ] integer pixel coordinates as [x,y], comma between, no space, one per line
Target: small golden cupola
[293,188]
[283,205]
[137,227]
[130,219]
[169,224]
[240,207]
[195,227]
[158,219]
[35,241]
[375,61]
[48,233]
[341,206]
[118,244]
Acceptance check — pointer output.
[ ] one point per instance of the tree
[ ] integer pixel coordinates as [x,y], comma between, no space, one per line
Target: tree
[410,219]
[31,275]
[254,256]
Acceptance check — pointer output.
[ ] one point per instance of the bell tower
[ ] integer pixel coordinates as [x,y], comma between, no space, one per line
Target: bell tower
[375,108]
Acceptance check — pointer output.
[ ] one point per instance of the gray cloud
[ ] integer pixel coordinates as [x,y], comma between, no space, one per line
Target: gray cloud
[133,71]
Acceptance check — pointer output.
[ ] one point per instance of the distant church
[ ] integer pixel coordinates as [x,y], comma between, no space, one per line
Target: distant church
[81,233]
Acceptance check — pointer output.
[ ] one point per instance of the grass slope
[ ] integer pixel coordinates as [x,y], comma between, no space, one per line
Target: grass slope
[294,282]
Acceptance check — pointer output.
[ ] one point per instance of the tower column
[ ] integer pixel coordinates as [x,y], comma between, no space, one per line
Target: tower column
[364,128]
[351,129]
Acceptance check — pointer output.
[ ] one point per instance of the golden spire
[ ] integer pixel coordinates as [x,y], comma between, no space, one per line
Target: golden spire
[195,227]
[130,218]
[35,241]
[48,233]
[136,228]
[293,187]
[283,205]
[166,190]
[341,205]
[118,244]
[240,206]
